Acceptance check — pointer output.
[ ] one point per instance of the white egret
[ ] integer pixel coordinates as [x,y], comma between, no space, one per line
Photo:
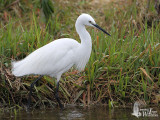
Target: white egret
[58,56]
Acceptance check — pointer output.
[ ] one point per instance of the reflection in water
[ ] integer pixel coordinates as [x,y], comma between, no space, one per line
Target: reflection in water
[71,114]
[77,113]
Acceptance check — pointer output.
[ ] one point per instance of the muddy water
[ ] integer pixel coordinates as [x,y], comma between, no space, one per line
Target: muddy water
[79,113]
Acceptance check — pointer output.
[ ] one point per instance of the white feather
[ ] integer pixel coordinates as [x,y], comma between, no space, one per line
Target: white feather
[47,60]
[60,55]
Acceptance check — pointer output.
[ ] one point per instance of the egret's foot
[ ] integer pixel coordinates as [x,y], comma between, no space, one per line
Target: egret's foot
[61,106]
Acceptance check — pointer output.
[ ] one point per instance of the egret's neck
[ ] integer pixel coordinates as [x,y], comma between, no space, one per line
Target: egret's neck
[83,52]
[84,35]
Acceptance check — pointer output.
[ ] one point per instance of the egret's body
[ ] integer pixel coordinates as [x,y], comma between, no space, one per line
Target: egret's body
[60,55]
[52,59]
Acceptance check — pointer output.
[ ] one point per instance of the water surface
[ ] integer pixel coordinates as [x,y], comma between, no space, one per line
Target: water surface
[78,113]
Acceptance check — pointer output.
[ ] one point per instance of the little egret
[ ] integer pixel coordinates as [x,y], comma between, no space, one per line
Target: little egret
[58,56]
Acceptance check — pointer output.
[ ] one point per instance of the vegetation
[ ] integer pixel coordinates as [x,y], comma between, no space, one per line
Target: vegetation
[123,68]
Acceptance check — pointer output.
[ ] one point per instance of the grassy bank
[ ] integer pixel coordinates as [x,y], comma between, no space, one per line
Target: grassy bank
[123,68]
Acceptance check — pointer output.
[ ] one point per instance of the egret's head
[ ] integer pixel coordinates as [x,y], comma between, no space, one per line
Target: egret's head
[86,19]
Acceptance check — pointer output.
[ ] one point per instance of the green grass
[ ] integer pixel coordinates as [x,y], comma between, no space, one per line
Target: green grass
[122,68]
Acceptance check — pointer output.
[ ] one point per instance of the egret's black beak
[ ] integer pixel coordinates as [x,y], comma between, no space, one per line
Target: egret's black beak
[95,25]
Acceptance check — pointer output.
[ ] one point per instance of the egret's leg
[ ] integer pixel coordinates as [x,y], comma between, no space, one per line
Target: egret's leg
[30,93]
[57,96]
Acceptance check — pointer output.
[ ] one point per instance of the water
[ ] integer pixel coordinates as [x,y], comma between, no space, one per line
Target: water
[78,113]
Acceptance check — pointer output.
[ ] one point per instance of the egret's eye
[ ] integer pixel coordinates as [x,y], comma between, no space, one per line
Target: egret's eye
[90,22]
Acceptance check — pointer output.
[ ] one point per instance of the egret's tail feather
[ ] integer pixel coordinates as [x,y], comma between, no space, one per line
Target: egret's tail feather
[18,68]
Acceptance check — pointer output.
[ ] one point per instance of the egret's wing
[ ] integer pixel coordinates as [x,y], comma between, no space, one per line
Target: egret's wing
[44,59]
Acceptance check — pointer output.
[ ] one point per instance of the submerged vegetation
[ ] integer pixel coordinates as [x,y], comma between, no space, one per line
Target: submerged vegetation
[122,69]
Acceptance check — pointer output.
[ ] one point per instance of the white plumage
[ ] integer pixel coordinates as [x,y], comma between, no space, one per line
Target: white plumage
[58,56]
[50,59]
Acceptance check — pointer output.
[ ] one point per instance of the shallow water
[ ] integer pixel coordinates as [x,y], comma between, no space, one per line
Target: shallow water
[79,113]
